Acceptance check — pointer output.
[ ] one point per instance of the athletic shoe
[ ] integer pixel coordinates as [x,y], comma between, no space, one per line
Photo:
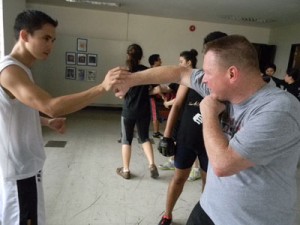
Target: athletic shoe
[153,171]
[125,175]
[167,166]
[157,135]
[165,221]
[194,175]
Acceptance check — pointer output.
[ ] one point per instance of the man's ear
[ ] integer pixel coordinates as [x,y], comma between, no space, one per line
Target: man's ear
[24,35]
[233,73]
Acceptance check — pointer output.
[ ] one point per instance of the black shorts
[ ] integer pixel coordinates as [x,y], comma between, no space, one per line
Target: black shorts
[127,126]
[185,157]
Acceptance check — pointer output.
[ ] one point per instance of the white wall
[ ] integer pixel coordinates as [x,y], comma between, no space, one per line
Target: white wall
[167,37]
[10,9]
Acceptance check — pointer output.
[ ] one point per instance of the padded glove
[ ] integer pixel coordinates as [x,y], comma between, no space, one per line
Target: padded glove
[166,146]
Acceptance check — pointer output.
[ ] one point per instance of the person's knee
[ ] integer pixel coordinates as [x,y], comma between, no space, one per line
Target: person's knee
[180,178]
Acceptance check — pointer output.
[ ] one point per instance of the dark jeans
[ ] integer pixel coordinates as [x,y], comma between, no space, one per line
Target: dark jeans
[199,217]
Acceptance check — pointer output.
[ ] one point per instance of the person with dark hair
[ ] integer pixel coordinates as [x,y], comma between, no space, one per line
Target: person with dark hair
[154,60]
[22,155]
[136,112]
[155,99]
[246,146]
[268,76]
[292,79]
[186,59]
[190,147]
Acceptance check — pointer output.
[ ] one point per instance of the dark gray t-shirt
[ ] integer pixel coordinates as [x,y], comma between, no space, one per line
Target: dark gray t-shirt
[265,129]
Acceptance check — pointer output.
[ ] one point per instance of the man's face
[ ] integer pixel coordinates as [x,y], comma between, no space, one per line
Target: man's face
[158,62]
[270,71]
[40,43]
[215,76]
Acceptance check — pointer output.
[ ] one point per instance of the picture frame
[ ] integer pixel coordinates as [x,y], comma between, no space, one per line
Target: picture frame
[91,75]
[92,60]
[70,73]
[70,58]
[80,74]
[81,59]
[82,44]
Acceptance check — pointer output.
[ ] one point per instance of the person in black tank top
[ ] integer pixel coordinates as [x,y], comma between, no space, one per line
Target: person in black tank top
[136,112]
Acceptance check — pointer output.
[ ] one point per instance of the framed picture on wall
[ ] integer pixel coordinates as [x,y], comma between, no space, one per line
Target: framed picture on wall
[91,75]
[70,58]
[81,59]
[92,59]
[70,73]
[82,44]
[81,74]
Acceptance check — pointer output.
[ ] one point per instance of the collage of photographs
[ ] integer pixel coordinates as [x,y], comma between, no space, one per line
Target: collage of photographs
[78,63]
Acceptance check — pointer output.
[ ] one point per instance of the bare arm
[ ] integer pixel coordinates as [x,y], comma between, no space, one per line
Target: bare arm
[175,110]
[17,85]
[224,160]
[156,75]
[160,89]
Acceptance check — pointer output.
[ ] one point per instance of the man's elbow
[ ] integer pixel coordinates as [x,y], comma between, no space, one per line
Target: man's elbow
[223,171]
[220,172]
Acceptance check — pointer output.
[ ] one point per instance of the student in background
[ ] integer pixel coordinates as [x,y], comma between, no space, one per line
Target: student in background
[189,141]
[291,79]
[155,99]
[22,155]
[186,59]
[136,112]
[268,76]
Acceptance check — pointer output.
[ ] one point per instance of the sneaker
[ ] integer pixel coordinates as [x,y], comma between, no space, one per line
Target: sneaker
[165,221]
[157,135]
[167,166]
[194,175]
[125,175]
[153,171]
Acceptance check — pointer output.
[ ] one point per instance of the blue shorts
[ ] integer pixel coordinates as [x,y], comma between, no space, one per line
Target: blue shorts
[185,157]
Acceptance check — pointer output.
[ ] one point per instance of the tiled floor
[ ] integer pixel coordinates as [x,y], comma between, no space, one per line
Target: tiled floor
[82,187]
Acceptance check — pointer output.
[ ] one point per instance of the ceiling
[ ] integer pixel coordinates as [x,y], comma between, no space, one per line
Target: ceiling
[261,13]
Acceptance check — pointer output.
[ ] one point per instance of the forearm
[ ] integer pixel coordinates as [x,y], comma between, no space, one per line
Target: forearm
[161,75]
[70,103]
[172,121]
[216,145]
[224,160]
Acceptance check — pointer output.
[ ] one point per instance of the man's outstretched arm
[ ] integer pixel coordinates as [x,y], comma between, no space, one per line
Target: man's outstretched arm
[156,75]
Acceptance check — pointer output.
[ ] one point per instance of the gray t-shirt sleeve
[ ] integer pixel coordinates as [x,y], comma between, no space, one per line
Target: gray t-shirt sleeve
[197,84]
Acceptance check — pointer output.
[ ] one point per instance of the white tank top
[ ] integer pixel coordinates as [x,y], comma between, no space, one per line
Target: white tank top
[22,153]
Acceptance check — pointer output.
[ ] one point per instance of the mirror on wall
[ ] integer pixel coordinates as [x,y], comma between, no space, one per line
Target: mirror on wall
[294,60]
